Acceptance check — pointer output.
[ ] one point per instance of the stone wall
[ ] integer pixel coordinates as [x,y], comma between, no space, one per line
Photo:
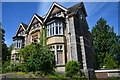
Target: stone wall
[107,73]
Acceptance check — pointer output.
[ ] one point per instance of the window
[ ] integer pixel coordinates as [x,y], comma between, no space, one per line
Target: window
[55,28]
[53,48]
[59,13]
[50,30]
[57,47]
[35,25]
[56,14]
[60,47]
[35,39]
[59,54]
[19,45]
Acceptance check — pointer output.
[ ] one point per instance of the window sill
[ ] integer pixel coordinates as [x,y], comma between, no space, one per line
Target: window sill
[56,36]
[60,65]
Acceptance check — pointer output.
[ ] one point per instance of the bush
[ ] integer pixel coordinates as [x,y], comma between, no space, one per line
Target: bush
[15,68]
[72,68]
[5,66]
[38,58]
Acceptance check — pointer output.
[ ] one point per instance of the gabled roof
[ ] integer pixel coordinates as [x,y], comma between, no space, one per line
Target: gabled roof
[40,19]
[23,25]
[75,7]
[54,4]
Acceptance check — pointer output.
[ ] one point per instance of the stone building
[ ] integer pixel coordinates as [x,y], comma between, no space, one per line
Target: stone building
[67,34]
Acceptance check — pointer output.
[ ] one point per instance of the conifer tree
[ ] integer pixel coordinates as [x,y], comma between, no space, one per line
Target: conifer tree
[106,44]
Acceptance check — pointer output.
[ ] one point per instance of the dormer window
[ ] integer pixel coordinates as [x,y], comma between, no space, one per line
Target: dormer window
[55,28]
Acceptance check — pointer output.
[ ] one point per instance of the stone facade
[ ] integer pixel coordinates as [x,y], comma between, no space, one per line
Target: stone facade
[67,34]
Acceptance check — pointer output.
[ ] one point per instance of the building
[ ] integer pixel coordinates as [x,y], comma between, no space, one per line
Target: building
[67,34]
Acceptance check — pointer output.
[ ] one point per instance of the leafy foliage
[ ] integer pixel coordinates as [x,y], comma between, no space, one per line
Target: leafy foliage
[72,68]
[38,58]
[10,48]
[5,67]
[106,44]
[43,36]
[13,68]
[5,52]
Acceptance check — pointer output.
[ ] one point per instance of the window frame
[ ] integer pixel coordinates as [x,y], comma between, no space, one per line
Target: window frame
[55,28]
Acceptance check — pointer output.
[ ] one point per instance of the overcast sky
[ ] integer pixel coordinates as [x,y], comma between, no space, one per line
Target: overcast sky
[15,12]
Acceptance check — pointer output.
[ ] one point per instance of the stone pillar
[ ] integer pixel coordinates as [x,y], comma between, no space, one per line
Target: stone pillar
[84,56]
[63,54]
[68,32]
[56,54]
[74,53]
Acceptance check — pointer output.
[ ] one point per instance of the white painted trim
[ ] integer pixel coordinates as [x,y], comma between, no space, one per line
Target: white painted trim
[34,16]
[114,70]
[19,27]
[52,8]
[22,27]
[38,19]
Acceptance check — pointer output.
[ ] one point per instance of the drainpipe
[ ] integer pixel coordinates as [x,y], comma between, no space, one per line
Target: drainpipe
[69,35]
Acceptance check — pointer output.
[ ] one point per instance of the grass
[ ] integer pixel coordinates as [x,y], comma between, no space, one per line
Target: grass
[32,75]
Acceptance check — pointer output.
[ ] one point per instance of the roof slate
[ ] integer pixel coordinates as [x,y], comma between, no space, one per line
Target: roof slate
[74,7]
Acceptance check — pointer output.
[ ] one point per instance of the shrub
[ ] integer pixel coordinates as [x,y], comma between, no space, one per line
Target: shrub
[5,66]
[14,68]
[38,58]
[71,68]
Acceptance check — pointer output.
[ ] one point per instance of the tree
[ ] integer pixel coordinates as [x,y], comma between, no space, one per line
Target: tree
[10,48]
[38,58]
[5,53]
[106,44]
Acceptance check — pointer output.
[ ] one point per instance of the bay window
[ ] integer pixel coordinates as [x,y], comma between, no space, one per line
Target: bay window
[55,28]
[18,42]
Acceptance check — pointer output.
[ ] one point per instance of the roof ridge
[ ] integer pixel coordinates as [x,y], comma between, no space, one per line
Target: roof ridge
[75,4]
[39,16]
[23,23]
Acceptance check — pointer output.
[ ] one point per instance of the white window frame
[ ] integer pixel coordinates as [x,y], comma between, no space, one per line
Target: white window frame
[59,24]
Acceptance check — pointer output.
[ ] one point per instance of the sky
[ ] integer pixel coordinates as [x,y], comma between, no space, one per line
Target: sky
[15,12]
